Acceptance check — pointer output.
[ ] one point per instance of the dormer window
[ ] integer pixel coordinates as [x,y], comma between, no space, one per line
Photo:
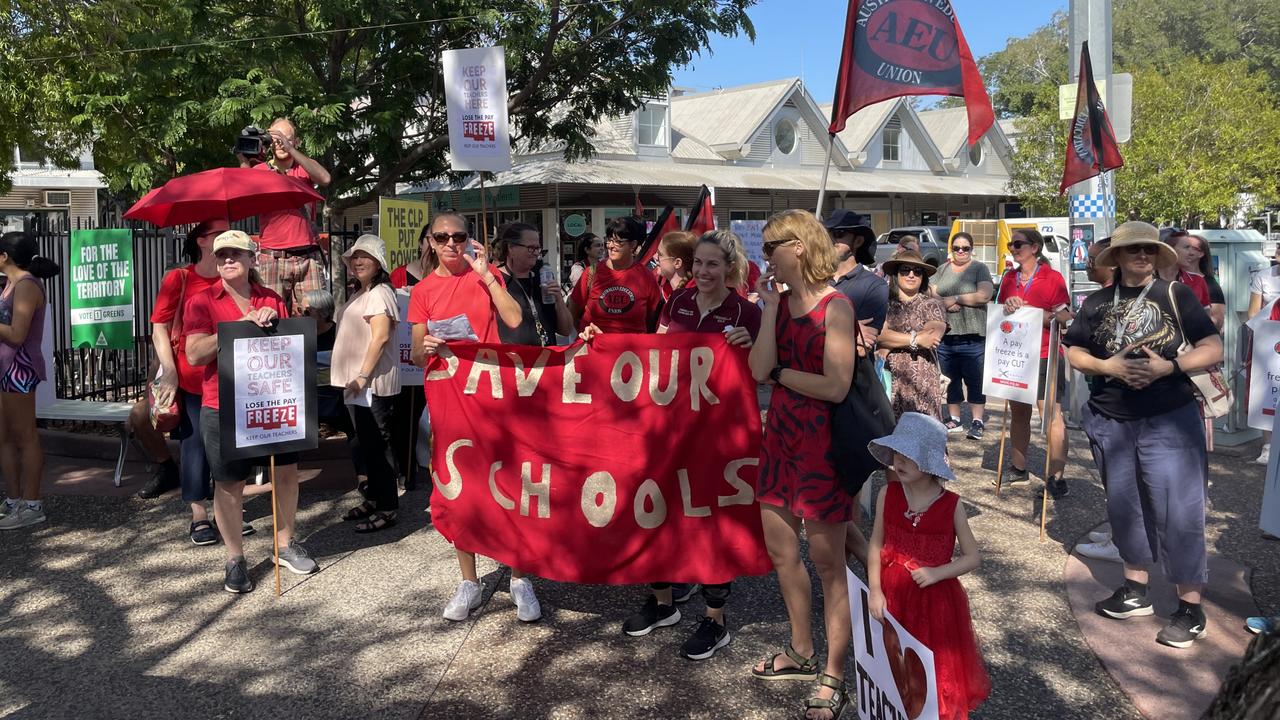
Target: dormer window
[891,141]
[651,124]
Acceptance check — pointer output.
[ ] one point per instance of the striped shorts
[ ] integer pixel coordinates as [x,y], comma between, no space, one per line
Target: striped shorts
[20,376]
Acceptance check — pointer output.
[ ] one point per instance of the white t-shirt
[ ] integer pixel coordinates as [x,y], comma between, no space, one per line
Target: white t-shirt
[1266,282]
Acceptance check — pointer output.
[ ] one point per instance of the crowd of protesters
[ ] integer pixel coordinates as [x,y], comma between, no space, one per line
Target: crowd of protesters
[818,307]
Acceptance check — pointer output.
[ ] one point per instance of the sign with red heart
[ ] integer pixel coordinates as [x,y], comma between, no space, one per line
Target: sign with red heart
[895,677]
[1011,359]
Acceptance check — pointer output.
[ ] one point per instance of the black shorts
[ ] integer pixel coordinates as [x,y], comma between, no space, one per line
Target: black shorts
[231,471]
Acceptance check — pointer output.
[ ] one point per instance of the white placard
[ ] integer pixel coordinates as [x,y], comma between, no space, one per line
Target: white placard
[886,672]
[1264,374]
[475,89]
[1269,519]
[270,404]
[410,374]
[1011,362]
[751,232]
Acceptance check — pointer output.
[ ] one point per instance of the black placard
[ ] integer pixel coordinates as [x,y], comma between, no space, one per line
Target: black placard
[286,394]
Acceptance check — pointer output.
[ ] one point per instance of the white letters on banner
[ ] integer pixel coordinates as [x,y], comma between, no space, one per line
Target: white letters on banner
[1011,363]
[895,675]
[1269,520]
[1264,374]
[475,90]
[410,374]
[270,399]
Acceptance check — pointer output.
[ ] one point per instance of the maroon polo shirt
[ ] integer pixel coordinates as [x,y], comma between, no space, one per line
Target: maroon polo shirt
[681,314]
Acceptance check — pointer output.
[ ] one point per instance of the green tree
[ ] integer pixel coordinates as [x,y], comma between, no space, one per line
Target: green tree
[161,87]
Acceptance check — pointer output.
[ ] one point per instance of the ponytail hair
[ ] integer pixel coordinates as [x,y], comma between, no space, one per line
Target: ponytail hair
[21,249]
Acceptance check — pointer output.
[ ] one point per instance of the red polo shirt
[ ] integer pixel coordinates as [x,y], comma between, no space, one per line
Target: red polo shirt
[1047,289]
[214,306]
[179,287]
[681,314]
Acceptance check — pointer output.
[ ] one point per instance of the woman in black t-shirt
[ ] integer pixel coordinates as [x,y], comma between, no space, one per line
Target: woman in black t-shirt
[1144,426]
[520,249]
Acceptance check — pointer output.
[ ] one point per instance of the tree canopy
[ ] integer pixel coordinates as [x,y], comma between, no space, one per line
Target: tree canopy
[162,87]
[1205,115]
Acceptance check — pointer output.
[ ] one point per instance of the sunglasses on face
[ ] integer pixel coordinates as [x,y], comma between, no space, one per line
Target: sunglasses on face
[1019,244]
[960,248]
[444,238]
[1143,249]
[906,271]
[772,245]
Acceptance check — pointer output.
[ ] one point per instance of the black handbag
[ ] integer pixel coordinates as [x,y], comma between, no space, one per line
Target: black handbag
[864,415]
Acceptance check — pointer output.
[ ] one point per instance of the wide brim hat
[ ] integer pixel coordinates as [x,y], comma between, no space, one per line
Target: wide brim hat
[850,221]
[1136,232]
[921,439]
[907,257]
[234,240]
[373,246]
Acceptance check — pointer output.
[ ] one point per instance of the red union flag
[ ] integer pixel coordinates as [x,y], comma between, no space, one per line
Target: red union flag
[1091,144]
[894,48]
[631,460]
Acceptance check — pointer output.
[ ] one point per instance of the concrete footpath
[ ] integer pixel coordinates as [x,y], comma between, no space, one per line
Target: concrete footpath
[108,611]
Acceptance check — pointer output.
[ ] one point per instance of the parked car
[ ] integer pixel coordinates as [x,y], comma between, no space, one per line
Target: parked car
[933,243]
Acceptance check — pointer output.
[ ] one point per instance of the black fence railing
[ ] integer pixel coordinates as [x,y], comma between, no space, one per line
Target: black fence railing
[121,375]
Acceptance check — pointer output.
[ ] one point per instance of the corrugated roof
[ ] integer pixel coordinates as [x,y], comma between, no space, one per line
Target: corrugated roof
[687,148]
[729,116]
[863,125]
[623,172]
[949,129]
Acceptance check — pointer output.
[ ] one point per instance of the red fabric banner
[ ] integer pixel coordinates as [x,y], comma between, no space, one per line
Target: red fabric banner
[629,460]
[702,218]
[907,47]
[1091,144]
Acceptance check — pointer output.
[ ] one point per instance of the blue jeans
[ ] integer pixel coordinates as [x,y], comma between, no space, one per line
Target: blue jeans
[960,359]
[193,468]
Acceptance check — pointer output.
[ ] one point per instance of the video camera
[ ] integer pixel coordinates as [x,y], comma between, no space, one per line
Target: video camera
[252,143]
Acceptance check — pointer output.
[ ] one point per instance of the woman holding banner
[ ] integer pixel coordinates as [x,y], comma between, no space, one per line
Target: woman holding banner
[22,306]
[711,305]
[807,352]
[619,295]
[366,365]
[461,299]
[180,377]
[1144,426]
[240,297]
[1032,282]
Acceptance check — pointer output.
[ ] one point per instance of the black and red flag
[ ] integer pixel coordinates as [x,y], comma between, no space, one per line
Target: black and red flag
[894,48]
[702,217]
[665,223]
[1091,144]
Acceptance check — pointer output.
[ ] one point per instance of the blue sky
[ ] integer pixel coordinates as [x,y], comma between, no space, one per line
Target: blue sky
[803,39]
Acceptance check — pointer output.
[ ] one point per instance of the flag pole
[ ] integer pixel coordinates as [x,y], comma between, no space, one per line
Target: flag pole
[822,190]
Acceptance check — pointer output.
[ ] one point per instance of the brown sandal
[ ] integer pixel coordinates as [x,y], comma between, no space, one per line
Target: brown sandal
[839,699]
[807,668]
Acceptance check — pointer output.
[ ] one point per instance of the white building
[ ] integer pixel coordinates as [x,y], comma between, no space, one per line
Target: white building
[45,198]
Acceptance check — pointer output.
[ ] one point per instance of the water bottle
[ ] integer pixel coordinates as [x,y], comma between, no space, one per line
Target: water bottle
[547,276]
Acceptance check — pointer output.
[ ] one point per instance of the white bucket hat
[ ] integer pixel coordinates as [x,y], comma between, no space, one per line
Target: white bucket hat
[371,244]
[919,438]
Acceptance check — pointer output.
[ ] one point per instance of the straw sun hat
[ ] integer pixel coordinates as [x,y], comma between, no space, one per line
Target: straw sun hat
[1136,232]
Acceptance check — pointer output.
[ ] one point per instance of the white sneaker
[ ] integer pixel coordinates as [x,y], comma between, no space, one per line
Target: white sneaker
[22,516]
[1098,536]
[528,609]
[466,599]
[1265,457]
[1105,550]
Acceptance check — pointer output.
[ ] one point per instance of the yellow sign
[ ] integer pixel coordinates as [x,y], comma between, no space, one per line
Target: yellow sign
[400,223]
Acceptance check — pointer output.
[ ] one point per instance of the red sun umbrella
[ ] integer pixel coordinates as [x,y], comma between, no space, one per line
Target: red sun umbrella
[231,193]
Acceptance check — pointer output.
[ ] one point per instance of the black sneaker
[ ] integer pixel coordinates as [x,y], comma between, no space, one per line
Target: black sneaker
[708,637]
[1017,477]
[681,592]
[651,615]
[165,479]
[1124,603]
[1057,487]
[953,425]
[202,533]
[975,430]
[238,580]
[1185,627]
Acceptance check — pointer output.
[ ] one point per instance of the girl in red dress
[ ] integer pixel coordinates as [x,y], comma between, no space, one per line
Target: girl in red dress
[911,572]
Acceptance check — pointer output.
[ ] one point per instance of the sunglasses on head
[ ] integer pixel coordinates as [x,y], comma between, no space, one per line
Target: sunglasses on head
[908,270]
[458,238]
[772,245]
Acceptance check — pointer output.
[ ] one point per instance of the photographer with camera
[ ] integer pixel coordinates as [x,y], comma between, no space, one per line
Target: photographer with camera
[289,259]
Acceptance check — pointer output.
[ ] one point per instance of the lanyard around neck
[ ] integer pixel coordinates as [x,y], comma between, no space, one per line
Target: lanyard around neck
[1023,288]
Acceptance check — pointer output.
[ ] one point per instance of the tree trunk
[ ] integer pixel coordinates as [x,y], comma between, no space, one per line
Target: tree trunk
[1252,688]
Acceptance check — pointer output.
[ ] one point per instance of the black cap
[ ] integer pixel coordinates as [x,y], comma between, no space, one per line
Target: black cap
[858,226]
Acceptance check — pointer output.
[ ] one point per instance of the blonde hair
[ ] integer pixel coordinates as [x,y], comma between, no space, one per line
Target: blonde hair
[735,273]
[818,261]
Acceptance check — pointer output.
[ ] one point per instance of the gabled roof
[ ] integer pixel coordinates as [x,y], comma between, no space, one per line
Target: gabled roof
[863,125]
[692,150]
[728,118]
[949,129]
